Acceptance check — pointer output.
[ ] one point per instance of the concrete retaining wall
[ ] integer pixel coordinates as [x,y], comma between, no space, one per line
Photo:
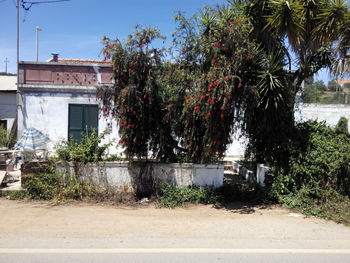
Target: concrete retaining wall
[143,178]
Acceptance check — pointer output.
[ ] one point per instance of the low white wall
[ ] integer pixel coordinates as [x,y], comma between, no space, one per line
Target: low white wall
[144,176]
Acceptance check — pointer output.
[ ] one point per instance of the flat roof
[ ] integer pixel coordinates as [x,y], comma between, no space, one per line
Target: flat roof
[108,65]
[8,83]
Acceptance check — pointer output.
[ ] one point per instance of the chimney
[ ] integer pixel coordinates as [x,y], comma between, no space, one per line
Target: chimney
[54,57]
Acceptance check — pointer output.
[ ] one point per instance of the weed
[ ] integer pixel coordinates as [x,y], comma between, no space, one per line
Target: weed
[172,196]
[41,186]
[14,195]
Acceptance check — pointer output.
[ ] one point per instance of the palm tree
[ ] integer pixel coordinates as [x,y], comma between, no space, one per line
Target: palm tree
[316,31]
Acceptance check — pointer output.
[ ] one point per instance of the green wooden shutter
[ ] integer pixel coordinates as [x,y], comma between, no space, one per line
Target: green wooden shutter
[91,118]
[75,122]
[82,119]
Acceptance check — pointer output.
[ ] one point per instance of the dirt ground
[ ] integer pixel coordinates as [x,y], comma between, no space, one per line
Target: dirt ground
[238,221]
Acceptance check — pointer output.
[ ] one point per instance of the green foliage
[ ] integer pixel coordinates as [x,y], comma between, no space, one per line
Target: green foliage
[7,139]
[74,189]
[319,159]
[269,116]
[317,92]
[89,149]
[331,205]
[50,186]
[310,29]
[342,126]
[334,86]
[14,194]
[222,80]
[188,109]
[41,186]
[136,99]
[172,196]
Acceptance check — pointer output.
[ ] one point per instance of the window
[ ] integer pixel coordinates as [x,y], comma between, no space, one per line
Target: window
[82,119]
[3,124]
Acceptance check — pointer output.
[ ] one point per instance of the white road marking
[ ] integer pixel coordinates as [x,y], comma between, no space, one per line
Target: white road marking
[168,251]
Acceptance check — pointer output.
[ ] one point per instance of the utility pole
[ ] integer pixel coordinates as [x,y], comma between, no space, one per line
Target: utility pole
[17,31]
[19,91]
[6,61]
[37,29]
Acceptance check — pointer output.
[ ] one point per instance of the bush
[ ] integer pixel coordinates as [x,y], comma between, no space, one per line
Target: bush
[73,189]
[7,139]
[14,194]
[41,186]
[172,196]
[85,151]
[342,126]
[319,159]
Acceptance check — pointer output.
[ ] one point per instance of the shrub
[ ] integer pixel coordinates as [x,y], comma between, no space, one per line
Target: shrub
[73,189]
[85,151]
[7,139]
[14,194]
[172,196]
[319,159]
[41,186]
[342,126]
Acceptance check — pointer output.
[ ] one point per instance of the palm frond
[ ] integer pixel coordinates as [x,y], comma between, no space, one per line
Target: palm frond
[329,22]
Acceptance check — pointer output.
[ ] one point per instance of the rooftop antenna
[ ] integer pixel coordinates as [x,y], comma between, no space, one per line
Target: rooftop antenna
[6,61]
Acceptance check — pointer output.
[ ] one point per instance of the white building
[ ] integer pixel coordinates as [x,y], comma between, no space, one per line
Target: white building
[8,101]
[58,98]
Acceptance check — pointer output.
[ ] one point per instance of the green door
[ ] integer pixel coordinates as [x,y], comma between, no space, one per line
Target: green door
[82,119]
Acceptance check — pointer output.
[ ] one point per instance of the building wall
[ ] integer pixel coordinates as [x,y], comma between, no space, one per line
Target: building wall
[330,113]
[46,90]
[48,113]
[8,108]
[8,99]
[64,73]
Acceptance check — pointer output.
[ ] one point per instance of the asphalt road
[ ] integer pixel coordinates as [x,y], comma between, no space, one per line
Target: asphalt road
[174,257]
[35,232]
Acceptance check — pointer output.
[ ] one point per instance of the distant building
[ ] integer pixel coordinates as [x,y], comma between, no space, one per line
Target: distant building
[342,82]
[8,90]
[58,97]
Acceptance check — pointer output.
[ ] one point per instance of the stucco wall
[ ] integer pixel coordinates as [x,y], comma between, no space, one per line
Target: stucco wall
[330,113]
[143,178]
[8,99]
[48,113]
[8,107]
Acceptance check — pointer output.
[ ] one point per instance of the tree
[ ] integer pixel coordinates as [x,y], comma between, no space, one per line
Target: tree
[228,71]
[187,109]
[333,85]
[317,32]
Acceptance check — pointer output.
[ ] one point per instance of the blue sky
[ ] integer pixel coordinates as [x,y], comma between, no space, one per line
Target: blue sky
[74,29]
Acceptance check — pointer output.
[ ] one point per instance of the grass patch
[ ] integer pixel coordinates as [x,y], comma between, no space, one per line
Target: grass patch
[14,194]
